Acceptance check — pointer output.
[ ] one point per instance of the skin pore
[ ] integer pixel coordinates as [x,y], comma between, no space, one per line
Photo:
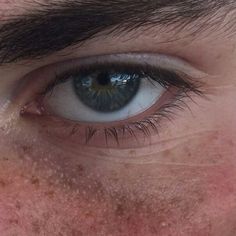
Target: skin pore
[179,182]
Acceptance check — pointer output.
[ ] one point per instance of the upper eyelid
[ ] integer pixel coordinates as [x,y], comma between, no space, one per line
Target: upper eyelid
[152,59]
[40,78]
[46,74]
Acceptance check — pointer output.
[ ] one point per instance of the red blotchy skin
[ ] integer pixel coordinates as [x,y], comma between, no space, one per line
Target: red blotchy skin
[38,199]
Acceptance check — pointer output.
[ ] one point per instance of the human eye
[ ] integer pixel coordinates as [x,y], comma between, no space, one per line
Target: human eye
[110,100]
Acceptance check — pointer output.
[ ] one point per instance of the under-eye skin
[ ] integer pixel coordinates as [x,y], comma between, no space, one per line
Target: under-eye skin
[109,99]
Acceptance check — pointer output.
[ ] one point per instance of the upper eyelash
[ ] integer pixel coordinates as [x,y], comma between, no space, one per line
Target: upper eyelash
[172,78]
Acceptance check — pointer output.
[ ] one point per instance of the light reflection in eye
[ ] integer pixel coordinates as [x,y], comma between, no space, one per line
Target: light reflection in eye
[106,91]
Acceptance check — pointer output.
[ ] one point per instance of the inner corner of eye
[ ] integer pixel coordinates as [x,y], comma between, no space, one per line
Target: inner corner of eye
[34,107]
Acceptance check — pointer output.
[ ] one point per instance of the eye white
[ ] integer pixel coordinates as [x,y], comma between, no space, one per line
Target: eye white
[64,102]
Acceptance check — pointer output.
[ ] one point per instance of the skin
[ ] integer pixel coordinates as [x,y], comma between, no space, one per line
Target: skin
[180,183]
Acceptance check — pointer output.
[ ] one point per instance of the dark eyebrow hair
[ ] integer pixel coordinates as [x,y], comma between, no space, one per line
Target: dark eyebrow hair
[51,27]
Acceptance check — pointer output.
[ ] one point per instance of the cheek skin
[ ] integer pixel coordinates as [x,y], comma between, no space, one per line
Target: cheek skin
[38,196]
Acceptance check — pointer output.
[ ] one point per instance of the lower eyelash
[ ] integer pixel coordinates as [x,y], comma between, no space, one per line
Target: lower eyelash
[113,136]
[149,124]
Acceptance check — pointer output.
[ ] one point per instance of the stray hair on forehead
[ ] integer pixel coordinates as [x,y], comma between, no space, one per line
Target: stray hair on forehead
[53,26]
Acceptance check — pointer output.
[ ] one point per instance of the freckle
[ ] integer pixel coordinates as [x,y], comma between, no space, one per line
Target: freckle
[14,221]
[3,183]
[25,148]
[35,181]
[5,158]
[80,170]
[88,214]
[119,211]
[50,194]
[219,56]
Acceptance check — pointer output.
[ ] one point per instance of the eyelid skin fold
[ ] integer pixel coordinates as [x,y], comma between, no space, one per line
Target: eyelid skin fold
[162,61]
[158,60]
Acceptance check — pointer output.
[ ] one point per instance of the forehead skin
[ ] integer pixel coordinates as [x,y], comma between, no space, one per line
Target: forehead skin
[191,191]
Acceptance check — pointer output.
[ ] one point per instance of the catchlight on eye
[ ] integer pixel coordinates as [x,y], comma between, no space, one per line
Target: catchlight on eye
[106,91]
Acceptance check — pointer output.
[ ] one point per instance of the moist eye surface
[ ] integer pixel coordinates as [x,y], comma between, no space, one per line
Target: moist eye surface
[106,91]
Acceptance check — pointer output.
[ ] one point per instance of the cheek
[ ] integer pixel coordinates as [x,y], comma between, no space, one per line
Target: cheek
[193,193]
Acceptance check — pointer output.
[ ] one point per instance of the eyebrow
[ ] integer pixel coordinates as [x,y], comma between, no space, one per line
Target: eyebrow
[51,27]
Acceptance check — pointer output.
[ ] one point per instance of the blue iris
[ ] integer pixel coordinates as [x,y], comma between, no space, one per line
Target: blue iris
[106,91]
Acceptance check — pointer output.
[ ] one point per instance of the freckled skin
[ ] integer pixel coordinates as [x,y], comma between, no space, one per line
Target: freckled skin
[36,194]
[185,187]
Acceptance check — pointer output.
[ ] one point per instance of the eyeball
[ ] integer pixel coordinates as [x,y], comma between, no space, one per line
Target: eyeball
[103,96]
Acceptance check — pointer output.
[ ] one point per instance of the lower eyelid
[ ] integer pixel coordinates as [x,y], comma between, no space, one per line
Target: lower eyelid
[126,134]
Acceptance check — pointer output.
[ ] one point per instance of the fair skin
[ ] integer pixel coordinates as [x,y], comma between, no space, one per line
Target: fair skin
[179,182]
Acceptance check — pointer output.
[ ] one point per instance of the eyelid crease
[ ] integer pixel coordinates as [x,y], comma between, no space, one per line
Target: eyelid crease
[152,59]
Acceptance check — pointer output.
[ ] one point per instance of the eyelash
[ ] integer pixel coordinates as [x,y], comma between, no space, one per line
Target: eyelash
[171,78]
[166,78]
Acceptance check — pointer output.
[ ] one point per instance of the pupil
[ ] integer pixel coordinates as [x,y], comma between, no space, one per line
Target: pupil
[103,79]
[106,91]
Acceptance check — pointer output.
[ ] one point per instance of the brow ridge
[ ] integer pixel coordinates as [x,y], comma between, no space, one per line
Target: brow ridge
[52,27]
